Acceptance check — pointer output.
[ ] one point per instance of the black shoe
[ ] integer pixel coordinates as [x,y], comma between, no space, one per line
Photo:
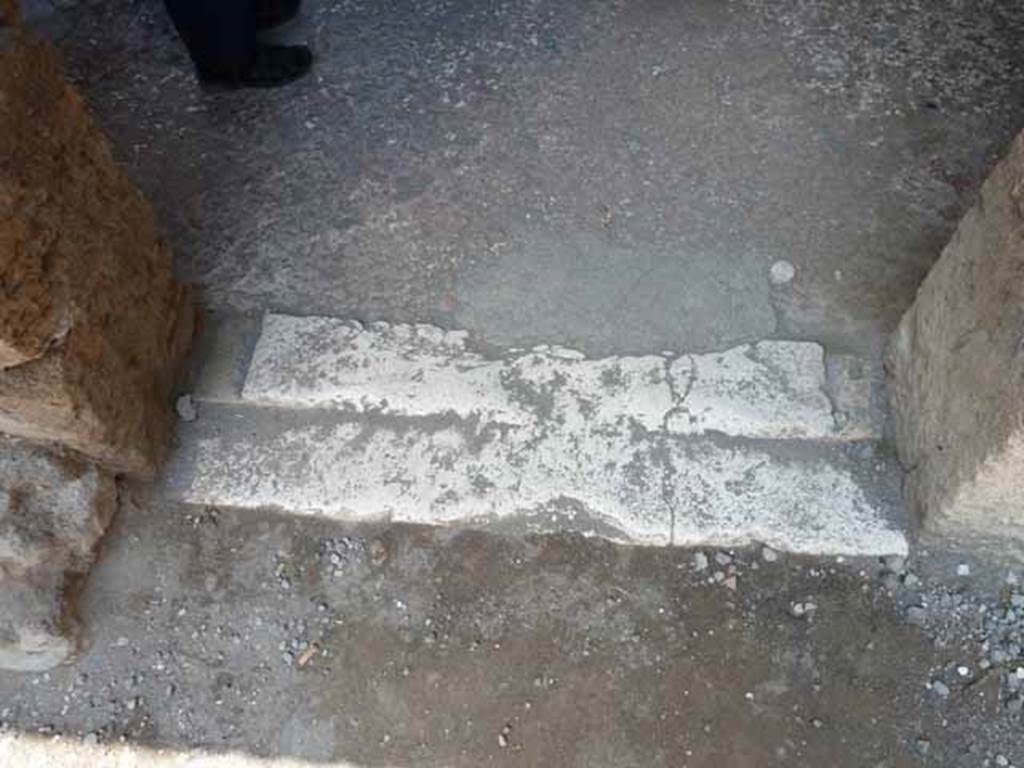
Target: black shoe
[274,13]
[272,66]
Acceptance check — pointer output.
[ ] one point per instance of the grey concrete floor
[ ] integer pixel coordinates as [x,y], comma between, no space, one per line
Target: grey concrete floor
[616,176]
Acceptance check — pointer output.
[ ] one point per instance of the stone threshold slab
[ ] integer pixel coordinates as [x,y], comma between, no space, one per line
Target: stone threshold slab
[766,390]
[636,487]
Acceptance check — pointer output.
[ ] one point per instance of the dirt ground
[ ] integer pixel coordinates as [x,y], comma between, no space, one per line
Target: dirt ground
[424,647]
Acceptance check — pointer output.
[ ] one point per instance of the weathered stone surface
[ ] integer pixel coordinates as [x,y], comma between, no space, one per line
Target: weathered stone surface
[773,390]
[54,508]
[410,423]
[36,632]
[597,479]
[957,364]
[92,322]
[857,390]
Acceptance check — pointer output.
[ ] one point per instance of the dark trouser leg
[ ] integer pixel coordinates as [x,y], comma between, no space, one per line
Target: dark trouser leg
[220,34]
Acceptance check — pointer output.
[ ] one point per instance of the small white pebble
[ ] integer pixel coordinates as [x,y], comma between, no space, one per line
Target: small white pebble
[963,570]
[781,272]
[186,408]
[802,610]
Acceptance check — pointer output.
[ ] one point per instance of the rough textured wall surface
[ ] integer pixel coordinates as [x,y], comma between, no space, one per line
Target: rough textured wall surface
[54,508]
[958,370]
[92,322]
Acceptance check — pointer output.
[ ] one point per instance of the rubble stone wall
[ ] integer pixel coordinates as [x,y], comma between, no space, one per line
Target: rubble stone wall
[93,325]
